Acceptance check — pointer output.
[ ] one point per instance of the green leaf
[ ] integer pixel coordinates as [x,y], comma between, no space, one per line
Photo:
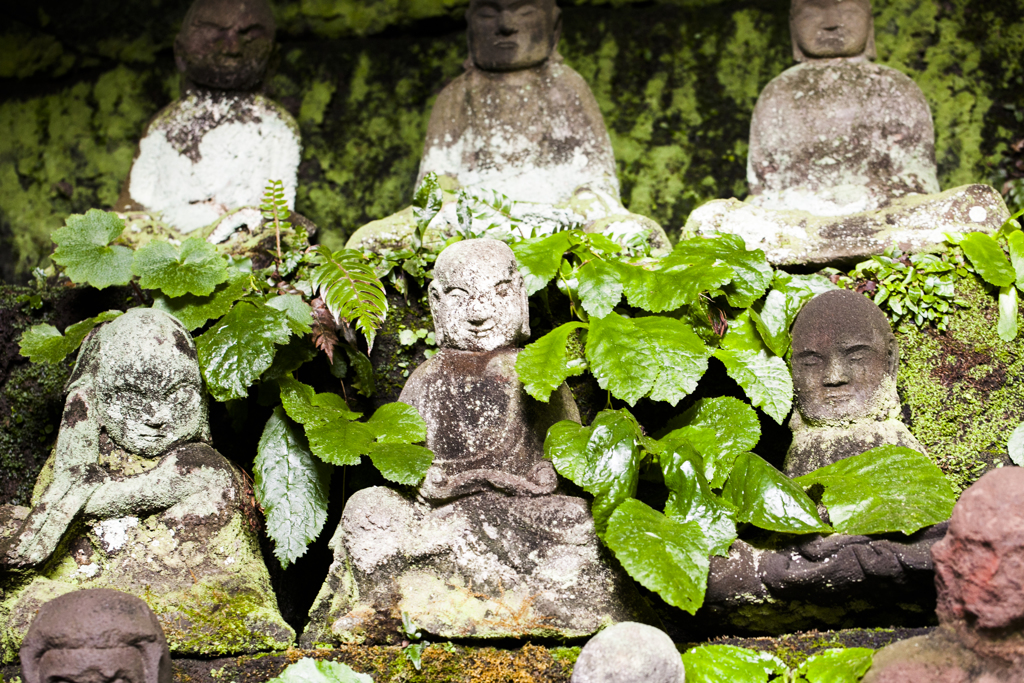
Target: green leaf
[193,311]
[751,273]
[720,429]
[543,365]
[988,259]
[682,356]
[836,665]
[1014,445]
[364,382]
[602,459]
[667,289]
[769,499]
[889,488]
[621,359]
[240,347]
[289,358]
[44,344]
[765,378]
[730,664]
[339,442]
[1006,328]
[401,463]
[662,554]
[397,423]
[773,319]
[308,670]
[599,288]
[83,249]
[1016,245]
[692,500]
[196,269]
[300,314]
[292,487]
[349,287]
[540,257]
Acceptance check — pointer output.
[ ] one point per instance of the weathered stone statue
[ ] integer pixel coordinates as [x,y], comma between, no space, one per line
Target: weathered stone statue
[521,122]
[842,154]
[487,546]
[980,607]
[213,151]
[844,372]
[95,636]
[134,498]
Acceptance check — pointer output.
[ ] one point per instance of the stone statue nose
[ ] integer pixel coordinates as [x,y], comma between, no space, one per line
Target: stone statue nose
[506,27]
[835,373]
[157,415]
[480,311]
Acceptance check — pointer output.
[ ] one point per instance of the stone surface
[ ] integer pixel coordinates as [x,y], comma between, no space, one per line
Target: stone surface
[628,653]
[980,598]
[134,498]
[488,546]
[844,362]
[95,636]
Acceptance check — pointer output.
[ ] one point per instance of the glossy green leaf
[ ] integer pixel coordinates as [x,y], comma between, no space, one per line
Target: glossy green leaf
[662,554]
[681,353]
[364,382]
[300,314]
[1015,241]
[544,364]
[765,378]
[193,311]
[290,357]
[83,248]
[656,289]
[196,268]
[621,359]
[240,347]
[401,463]
[339,442]
[836,665]
[751,273]
[1014,445]
[889,488]
[720,429]
[539,259]
[691,499]
[769,499]
[292,486]
[988,259]
[1006,328]
[742,334]
[599,287]
[397,423]
[349,287]
[45,344]
[308,670]
[730,664]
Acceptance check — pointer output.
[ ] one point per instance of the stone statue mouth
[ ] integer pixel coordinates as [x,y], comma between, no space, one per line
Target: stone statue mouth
[506,44]
[481,330]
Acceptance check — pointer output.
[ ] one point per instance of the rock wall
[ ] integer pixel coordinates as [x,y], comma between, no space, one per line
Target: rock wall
[676,81]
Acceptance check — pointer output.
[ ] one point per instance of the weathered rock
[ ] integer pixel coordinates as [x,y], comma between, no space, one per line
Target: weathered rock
[627,653]
[134,498]
[980,594]
[96,636]
[845,359]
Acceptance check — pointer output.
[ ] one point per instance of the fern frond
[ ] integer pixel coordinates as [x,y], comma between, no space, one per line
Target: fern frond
[350,289]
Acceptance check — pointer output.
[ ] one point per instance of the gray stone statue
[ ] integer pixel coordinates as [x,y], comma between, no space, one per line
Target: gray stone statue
[980,606]
[213,151]
[134,498]
[842,154]
[95,636]
[844,372]
[487,546]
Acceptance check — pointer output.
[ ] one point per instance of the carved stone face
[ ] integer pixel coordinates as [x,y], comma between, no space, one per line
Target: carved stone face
[823,29]
[226,44]
[90,665]
[477,297]
[508,35]
[843,349]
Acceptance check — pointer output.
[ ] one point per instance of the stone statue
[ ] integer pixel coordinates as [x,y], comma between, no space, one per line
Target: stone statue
[213,151]
[844,372]
[842,154]
[980,594]
[134,498]
[521,122]
[95,636]
[487,546]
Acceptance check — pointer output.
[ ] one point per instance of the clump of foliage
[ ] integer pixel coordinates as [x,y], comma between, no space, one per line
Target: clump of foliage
[308,670]
[714,663]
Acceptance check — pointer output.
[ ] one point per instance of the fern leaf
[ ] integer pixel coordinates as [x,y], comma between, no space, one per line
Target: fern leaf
[350,289]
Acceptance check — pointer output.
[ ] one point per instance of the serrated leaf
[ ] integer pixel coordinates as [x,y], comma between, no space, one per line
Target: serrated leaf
[751,273]
[339,442]
[196,269]
[364,382]
[45,344]
[889,488]
[540,257]
[988,259]
[620,358]
[728,663]
[543,365]
[836,665]
[350,289]
[691,499]
[599,287]
[662,554]
[1015,242]
[300,314]
[720,429]
[307,407]
[682,356]
[742,334]
[289,358]
[308,670]
[292,486]
[1006,328]
[83,248]
[397,423]
[240,347]
[668,289]
[773,319]
[1014,445]
[768,499]
[766,379]
[401,463]
[193,311]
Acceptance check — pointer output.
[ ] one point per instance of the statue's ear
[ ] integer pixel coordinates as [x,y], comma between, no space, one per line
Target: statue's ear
[179,54]
[870,52]
[556,32]
[893,357]
[524,303]
[798,54]
[434,290]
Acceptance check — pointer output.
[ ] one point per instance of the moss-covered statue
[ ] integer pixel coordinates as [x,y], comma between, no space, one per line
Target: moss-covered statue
[522,123]
[488,546]
[204,160]
[134,498]
[842,154]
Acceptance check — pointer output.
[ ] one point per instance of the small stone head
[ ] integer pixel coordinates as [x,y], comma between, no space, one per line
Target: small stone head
[825,29]
[979,565]
[844,358]
[508,35]
[478,298]
[95,636]
[226,44]
[146,382]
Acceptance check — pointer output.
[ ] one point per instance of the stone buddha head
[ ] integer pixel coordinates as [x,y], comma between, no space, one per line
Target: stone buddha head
[509,35]
[95,636]
[844,359]
[825,29]
[478,298]
[225,44]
